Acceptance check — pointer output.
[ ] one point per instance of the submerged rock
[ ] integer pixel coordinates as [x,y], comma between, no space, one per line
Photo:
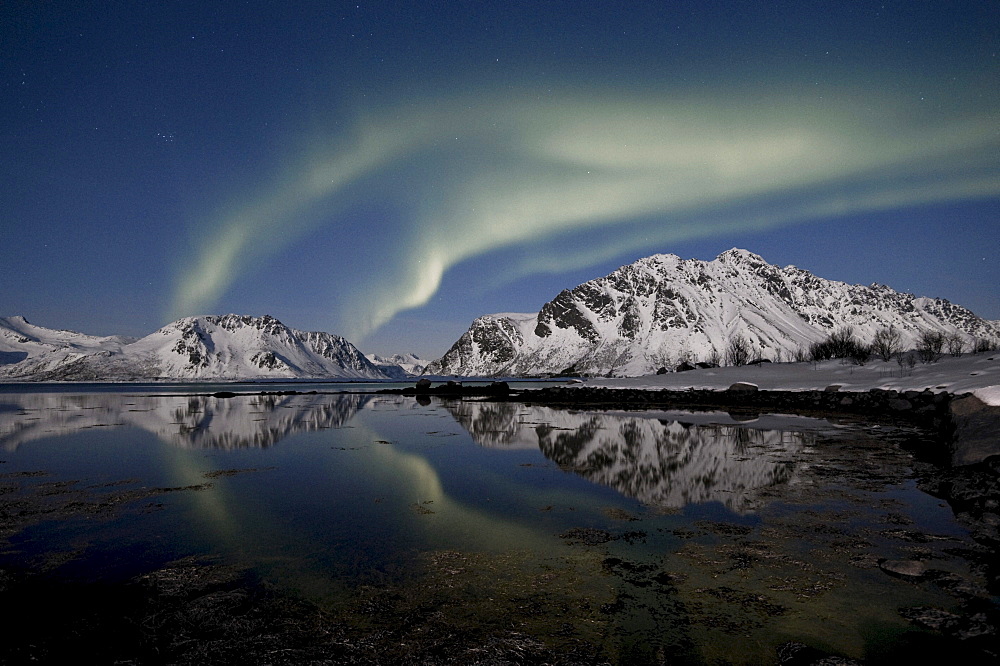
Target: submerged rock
[794,653]
[904,568]
[962,627]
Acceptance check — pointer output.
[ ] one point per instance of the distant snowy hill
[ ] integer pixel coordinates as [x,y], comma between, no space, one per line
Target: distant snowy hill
[225,347]
[662,310]
[399,366]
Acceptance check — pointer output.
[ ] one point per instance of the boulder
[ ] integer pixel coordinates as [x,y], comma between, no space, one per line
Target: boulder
[977,430]
[499,388]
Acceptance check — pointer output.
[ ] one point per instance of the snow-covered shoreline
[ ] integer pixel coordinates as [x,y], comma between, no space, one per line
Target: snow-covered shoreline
[971,373]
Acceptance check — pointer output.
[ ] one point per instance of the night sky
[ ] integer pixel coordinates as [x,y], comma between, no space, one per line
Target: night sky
[390,171]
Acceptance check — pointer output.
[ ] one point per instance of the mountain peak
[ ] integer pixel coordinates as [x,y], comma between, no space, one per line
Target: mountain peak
[737,255]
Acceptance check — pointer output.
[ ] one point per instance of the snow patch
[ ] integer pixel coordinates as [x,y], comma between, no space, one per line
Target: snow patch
[990,395]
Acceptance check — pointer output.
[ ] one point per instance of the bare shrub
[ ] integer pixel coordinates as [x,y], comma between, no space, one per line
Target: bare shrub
[819,351]
[887,343]
[860,354]
[930,346]
[738,350]
[906,361]
[714,357]
[840,344]
[956,344]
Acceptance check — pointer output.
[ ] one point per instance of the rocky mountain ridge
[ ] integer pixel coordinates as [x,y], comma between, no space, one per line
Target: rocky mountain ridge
[223,347]
[662,310]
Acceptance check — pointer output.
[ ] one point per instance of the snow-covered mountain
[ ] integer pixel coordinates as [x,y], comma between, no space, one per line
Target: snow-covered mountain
[224,347]
[21,340]
[399,366]
[662,310]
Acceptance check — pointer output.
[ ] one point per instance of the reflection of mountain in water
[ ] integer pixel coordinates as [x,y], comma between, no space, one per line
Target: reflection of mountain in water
[662,463]
[506,425]
[186,421]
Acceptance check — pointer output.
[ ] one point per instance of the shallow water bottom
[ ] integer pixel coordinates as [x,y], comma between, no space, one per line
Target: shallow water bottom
[442,529]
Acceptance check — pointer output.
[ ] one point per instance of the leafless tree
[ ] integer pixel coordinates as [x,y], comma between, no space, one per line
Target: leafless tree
[714,357]
[738,350]
[860,354]
[956,344]
[887,343]
[929,346]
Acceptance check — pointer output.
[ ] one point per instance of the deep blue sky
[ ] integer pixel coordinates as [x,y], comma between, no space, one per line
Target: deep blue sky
[389,171]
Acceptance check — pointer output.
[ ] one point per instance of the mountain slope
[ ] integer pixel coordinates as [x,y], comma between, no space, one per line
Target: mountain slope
[398,366]
[225,347]
[662,310]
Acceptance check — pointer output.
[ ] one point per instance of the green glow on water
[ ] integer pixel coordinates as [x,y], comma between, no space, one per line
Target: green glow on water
[652,534]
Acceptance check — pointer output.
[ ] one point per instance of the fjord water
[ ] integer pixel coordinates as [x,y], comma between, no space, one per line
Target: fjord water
[695,536]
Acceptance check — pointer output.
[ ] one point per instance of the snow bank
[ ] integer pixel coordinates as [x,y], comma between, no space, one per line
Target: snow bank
[989,395]
[977,373]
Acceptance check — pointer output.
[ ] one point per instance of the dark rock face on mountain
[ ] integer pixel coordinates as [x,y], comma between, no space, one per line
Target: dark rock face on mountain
[662,311]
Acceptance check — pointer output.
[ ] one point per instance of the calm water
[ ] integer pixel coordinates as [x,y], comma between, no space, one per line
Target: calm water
[673,533]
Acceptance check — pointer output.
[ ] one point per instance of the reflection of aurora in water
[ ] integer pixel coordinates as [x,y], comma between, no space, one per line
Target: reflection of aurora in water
[659,462]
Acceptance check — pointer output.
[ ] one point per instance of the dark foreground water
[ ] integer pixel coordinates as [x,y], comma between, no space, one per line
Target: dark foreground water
[646,537]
